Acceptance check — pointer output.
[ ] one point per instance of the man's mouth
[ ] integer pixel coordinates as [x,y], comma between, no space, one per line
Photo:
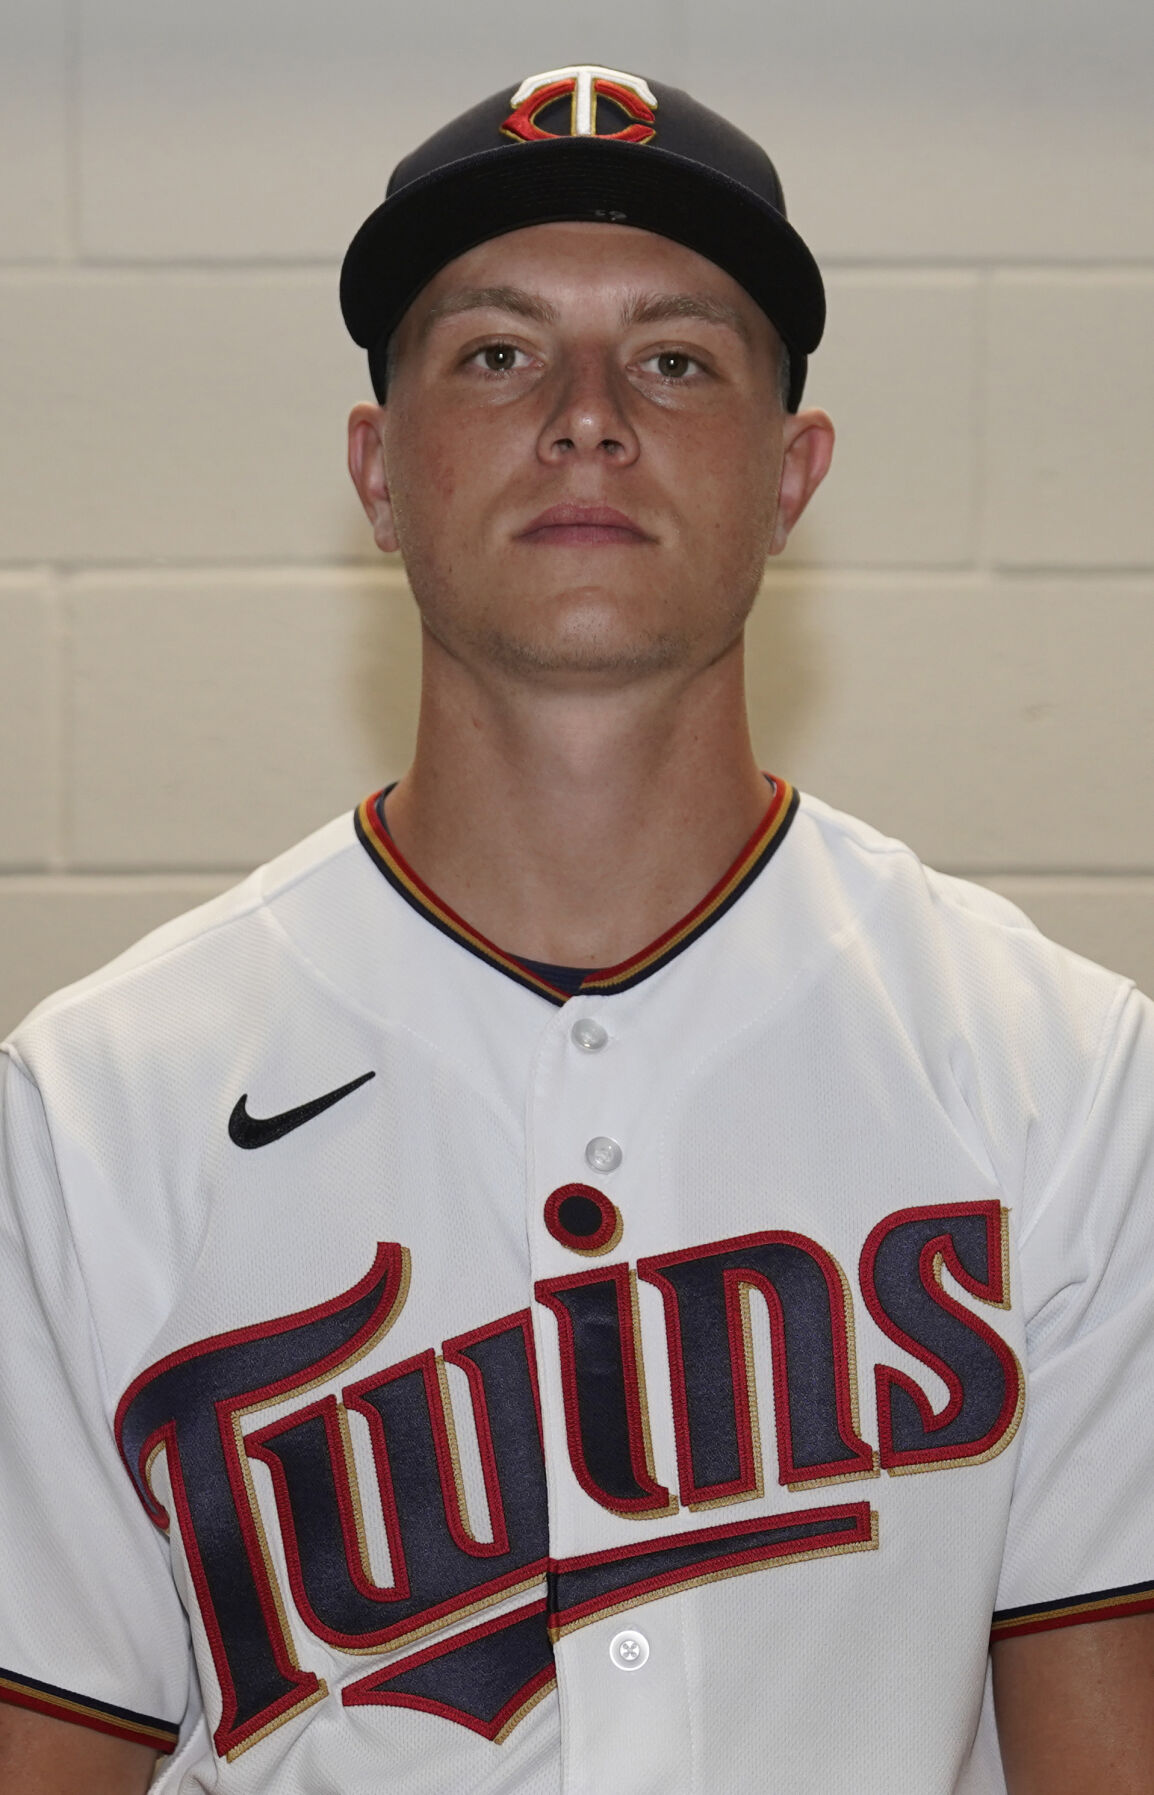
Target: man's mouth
[581,525]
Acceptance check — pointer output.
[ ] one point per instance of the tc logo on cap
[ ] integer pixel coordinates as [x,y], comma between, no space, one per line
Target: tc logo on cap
[582,86]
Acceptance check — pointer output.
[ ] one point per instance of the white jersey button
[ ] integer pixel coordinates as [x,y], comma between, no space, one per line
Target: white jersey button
[588,1035]
[603,1154]
[629,1650]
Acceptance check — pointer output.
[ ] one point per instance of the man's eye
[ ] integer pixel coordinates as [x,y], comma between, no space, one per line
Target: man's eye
[673,364]
[498,358]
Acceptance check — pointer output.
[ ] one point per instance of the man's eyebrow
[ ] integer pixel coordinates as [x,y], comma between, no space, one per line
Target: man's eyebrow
[499,299]
[661,308]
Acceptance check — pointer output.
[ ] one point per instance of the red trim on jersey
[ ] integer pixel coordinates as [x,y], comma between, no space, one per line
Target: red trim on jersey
[858,1460]
[454,1352]
[857,1533]
[373,1691]
[993,1290]
[766,837]
[100,1717]
[478,1594]
[654,1499]
[603,1238]
[261,1445]
[1075,1611]
[764,841]
[388,1274]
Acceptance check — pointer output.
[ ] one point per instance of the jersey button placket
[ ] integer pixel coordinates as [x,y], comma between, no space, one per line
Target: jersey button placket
[620,1683]
[629,1650]
[589,1035]
[603,1154]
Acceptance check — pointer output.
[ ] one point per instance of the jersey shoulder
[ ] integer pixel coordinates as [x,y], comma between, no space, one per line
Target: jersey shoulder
[952,955]
[869,861]
[209,933]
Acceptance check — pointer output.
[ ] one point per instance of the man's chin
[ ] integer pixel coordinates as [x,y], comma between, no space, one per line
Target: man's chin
[589,655]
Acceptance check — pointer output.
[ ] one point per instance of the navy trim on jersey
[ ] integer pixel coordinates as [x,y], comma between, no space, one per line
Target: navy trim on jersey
[563,978]
[1074,1611]
[103,1717]
[382,850]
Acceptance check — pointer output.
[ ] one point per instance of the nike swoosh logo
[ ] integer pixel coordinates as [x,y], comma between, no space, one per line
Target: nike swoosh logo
[257,1131]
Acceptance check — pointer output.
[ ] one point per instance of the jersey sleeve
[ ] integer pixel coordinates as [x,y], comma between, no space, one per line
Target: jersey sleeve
[91,1627]
[1080,1543]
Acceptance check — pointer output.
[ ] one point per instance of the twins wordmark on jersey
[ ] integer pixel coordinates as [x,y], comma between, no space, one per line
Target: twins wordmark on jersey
[444,1566]
[613,1392]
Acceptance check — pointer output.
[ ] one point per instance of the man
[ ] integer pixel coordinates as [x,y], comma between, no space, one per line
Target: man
[497,1271]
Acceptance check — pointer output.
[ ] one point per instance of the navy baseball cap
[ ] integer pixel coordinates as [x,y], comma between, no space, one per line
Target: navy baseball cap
[591,144]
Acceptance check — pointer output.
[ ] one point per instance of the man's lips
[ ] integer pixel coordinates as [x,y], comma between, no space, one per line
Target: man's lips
[581,525]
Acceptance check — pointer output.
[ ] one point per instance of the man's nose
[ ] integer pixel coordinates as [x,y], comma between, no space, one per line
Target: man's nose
[590,414]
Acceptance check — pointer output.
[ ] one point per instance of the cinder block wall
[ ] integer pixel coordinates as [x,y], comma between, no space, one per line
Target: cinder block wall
[200,656]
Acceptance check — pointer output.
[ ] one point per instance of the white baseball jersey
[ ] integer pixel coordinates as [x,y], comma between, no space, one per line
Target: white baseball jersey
[417,1379]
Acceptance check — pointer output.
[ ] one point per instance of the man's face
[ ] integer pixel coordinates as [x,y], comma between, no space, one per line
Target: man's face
[581,455]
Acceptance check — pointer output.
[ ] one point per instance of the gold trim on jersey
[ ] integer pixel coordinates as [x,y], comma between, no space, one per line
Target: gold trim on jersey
[560,1628]
[762,844]
[1040,1617]
[61,1704]
[237,1418]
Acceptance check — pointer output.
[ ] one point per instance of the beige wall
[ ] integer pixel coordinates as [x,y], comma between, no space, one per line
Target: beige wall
[200,658]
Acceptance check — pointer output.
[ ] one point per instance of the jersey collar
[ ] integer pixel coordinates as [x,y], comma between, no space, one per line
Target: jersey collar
[762,844]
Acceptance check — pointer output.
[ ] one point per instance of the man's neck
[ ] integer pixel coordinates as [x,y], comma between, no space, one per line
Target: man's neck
[572,827]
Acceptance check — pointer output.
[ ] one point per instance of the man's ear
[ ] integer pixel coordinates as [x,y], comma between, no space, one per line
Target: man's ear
[808,451]
[369,473]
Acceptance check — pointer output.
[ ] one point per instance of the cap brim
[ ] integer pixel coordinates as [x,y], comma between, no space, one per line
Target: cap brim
[424,226]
